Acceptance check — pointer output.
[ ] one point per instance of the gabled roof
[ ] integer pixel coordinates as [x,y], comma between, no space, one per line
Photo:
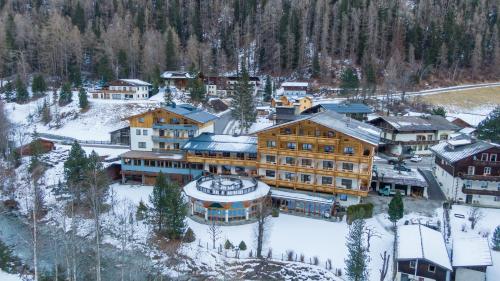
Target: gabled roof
[471,252]
[356,129]
[222,143]
[184,110]
[342,108]
[176,75]
[128,82]
[295,84]
[417,123]
[459,148]
[420,242]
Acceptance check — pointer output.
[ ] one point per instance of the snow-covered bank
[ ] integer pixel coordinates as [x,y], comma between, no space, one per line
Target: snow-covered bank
[4,276]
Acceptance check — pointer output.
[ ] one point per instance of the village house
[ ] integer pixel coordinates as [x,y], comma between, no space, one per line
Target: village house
[293,89]
[407,135]
[177,79]
[224,86]
[421,254]
[471,258]
[356,111]
[468,170]
[124,89]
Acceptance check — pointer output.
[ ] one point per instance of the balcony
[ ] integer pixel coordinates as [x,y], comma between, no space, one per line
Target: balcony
[165,126]
[466,190]
[480,177]
[179,140]
[486,163]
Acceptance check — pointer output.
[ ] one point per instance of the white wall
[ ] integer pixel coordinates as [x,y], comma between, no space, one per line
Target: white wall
[135,139]
[207,129]
[464,274]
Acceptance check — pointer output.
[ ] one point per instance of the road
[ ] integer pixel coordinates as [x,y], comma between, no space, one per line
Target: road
[221,123]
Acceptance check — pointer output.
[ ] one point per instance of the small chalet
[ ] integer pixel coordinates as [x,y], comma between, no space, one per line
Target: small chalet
[224,86]
[301,103]
[407,135]
[459,122]
[178,79]
[124,89]
[45,146]
[294,88]
[469,170]
[421,254]
[356,111]
[471,258]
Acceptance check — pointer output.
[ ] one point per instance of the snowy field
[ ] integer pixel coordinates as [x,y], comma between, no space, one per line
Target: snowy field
[4,276]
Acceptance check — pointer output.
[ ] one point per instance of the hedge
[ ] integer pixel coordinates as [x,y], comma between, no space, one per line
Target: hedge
[354,210]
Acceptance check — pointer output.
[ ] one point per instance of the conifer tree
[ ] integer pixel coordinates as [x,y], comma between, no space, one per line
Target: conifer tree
[39,87]
[36,151]
[65,96]
[8,91]
[168,95]
[78,17]
[74,170]
[83,101]
[46,115]
[268,90]
[159,201]
[439,111]
[142,211]
[22,94]
[357,257]
[170,52]
[396,208]
[489,128]
[495,239]
[197,91]
[176,211]
[349,81]
[316,69]
[242,102]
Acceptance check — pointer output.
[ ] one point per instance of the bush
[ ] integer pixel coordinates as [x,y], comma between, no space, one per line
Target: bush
[270,253]
[315,260]
[189,236]
[228,245]
[275,213]
[359,211]
[289,255]
[242,246]
[302,258]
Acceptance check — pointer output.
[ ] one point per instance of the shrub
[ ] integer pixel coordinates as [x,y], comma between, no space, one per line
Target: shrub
[228,245]
[302,258]
[189,236]
[275,213]
[315,260]
[242,246]
[270,253]
[359,211]
[289,255]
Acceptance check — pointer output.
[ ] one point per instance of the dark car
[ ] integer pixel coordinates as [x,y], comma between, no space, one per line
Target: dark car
[402,168]
[394,161]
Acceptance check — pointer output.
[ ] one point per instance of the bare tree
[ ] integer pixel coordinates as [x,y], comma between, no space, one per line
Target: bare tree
[370,233]
[262,226]
[385,265]
[475,215]
[215,232]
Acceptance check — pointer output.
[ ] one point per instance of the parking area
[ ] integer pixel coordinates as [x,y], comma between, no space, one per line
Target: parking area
[418,205]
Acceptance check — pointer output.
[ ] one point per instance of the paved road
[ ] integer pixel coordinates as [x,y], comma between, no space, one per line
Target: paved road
[433,190]
[221,123]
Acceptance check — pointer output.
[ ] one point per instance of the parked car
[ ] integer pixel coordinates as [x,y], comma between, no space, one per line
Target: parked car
[402,168]
[395,160]
[416,158]
[386,191]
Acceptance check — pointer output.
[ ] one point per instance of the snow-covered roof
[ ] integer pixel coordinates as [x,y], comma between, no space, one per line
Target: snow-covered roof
[459,148]
[342,108]
[295,195]
[472,251]
[222,143]
[295,84]
[420,242]
[176,75]
[262,190]
[136,82]
[152,155]
[351,127]
[467,130]
[191,112]
[416,123]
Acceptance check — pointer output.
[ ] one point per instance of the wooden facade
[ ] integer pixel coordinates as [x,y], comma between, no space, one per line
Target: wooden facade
[421,268]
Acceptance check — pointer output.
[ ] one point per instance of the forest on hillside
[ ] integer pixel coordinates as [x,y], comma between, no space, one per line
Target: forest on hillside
[407,40]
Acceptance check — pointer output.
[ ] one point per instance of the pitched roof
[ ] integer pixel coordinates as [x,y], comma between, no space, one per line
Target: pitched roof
[136,82]
[356,129]
[479,256]
[420,242]
[459,148]
[418,123]
[191,112]
[222,143]
[295,84]
[176,75]
[342,108]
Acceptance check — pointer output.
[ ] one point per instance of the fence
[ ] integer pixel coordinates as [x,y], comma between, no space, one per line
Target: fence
[70,140]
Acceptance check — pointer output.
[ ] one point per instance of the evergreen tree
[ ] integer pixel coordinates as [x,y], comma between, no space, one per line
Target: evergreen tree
[189,236]
[142,211]
[268,90]
[74,170]
[349,81]
[242,102]
[176,211]
[396,208]
[39,87]
[83,101]
[36,151]
[46,115]
[103,69]
[197,90]
[74,73]
[22,94]
[123,63]
[489,128]
[168,95]
[65,96]
[170,52]
[357,257]
[156,81]
[78,17]
[296,32]
[228,245]
[242,246]
[316,69]
[439,111]
[495,239]
[8,91]
[159,201]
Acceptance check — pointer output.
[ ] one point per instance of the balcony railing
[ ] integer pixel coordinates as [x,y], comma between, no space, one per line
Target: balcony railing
[481,177]
[479,162]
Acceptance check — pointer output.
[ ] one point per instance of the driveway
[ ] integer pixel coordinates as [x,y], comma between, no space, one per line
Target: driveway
[221,123]
[434,191]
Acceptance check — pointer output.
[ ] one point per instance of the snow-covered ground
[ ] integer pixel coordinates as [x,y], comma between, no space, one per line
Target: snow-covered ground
[4,276]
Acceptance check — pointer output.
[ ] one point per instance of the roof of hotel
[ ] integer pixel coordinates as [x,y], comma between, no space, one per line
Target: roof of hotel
[420,242]
[335,121]
[222,143]
[153,155]
[191,112]
[342,108]
[295,84]
[459,148]
[479,256]
[418,123]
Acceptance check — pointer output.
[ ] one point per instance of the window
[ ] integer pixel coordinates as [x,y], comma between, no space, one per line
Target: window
[287,131]
[493,157]
[429,137]
[366,152]
[142,144]
[329,148]
[290,176]
[487,170]
[484,184]
[270,174]
[432,268]
[174,121]
[270,159]
[326,180]
[307,146]
[271,143]
[145,132]
[343,197]
[141,120]
[306,162]
[484,156]
[138,132]
[291,145]
[412,264]
[468,184]
[331,134]
[305,178]
[471,170]
[176,133]
[289,160]
[348,150]
[190,133]
[443,137]
[327,165]
[347,183]
[347,166]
